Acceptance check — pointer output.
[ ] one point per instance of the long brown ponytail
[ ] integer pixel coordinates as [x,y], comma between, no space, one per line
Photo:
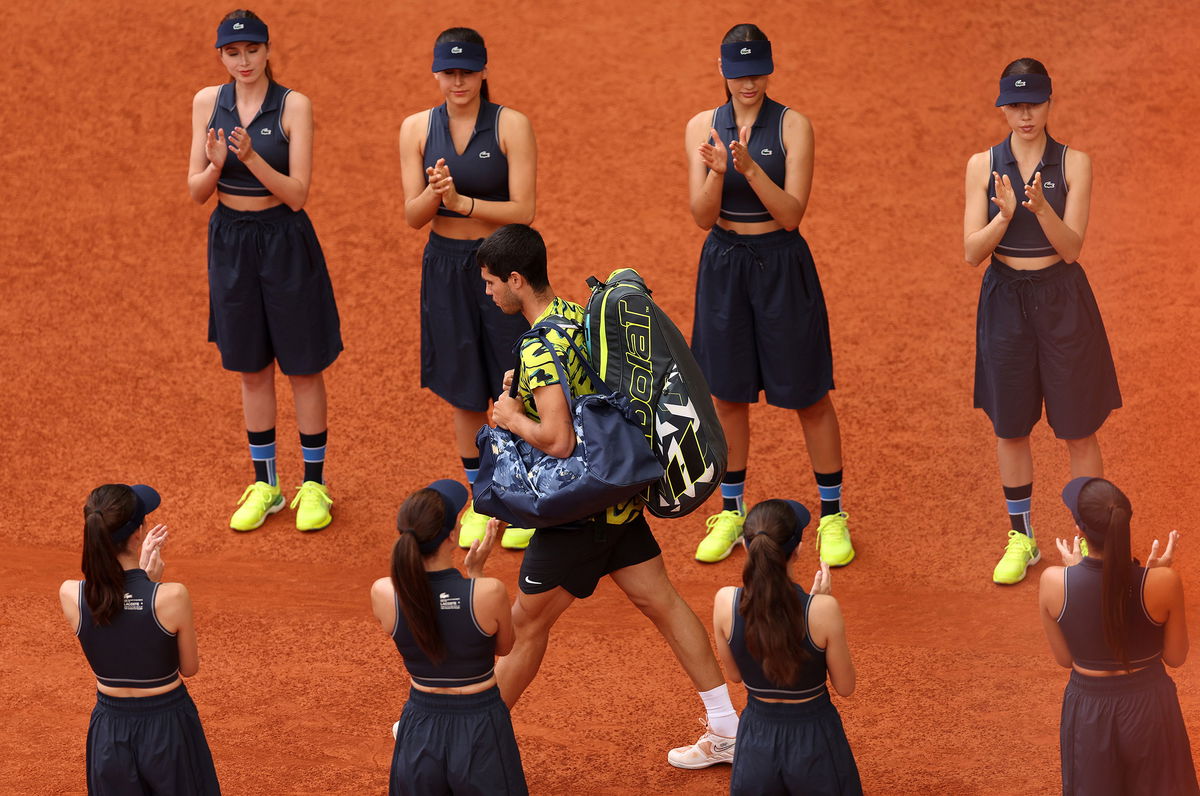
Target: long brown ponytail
[1106,513]
[419,520]
[771,611]
[108,507]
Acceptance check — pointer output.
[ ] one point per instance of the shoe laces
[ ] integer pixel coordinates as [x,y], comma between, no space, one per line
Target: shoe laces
[832,527]
[263,492]
[725,521]
[1019,546]
[310,492]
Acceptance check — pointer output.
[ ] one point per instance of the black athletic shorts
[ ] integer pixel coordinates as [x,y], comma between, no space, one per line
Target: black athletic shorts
[577,556]
[139,745]
[1125,734]
[456,743]
[793,748]
[467,343]
[1039,337]
[760,321]
[269,294]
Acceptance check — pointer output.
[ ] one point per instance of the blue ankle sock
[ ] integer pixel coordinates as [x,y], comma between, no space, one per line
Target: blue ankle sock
[262,454]
[733,491]
[313,447]
[830,487]
[471,468]
[1019,500]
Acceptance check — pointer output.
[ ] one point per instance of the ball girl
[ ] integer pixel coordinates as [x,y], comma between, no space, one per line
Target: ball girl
[469,167]
[1039,336]
[270,298]
[455,734]
[137,635]
[1114,623]
[783,643]
[760,321]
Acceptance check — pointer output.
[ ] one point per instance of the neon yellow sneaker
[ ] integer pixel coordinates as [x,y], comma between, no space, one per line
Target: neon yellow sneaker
[724,530]
[833,540]
[516,538]
[314,502]
[1083,548]
[472,526]
[259,500]
[1019,555]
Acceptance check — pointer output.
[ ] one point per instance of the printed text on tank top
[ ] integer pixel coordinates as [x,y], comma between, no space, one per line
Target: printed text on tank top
[1024,244]
[267,135]
[479,168]
[1082,626]
[739,203]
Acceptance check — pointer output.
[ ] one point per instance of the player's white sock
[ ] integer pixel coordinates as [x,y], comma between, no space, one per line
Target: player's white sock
[722,718]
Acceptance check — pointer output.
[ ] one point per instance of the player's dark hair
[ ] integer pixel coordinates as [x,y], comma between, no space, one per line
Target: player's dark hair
[742,32]
[242,13]
[516,248]
[108,507]
[471,36]
[1106,509]
[772,613]
[1025,66]
[420,519]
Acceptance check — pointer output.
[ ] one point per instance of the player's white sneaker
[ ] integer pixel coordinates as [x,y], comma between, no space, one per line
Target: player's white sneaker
[708,751]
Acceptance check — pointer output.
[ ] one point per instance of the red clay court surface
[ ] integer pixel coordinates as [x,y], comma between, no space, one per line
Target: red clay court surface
[109,377]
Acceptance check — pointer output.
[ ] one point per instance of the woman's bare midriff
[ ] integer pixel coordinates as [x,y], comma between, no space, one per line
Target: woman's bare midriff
[1028,263]
[1103,673]
[748,227]
[123,693]
[474,688]
[462,228]
[788,701]
[248,203]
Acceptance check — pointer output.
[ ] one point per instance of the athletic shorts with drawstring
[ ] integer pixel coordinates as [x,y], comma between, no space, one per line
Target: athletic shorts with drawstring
[760,322]
[1039,337]
[1125,734]
[467,343]
[270,297]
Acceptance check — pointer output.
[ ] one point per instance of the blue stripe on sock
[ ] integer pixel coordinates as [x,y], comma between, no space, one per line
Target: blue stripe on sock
[1019,506]
[733,490]
[260,453]
[313,454]
[471,475]
[830,493]
[272,479]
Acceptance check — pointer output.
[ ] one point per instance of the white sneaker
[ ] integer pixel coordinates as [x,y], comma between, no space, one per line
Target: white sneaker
[708,751]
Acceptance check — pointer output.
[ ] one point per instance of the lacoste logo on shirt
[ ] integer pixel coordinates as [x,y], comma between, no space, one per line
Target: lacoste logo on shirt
[1020,84]
[443,596]
[456,50]
[767,152]
[238,26]
[265,131]
[485,154]
[745,51]
[1047,184]
[449,603]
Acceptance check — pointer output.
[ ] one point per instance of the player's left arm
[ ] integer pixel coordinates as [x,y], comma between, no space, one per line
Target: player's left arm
[552,433]
[722,622]
[173,607]
[1065,234]
[787,204]
[383,603]
[292,187]
[1050,603]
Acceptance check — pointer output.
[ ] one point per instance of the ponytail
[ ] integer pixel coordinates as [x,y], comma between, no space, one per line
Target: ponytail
[420,519]
[1106,514]
[772,613]
[108,507]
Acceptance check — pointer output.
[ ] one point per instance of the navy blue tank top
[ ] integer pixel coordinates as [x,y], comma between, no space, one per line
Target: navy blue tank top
[812,672]
[266,134]
[133,650]
[1024,236]
[481,171]
[738,200]
[470,653]
[1082,622]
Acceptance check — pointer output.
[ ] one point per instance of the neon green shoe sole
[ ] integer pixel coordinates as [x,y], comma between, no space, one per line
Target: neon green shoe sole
[724,530]
[312,504]
[833,540]
[259,501]
[1020,554]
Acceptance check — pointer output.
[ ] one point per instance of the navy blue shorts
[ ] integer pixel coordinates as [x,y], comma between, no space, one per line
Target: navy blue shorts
[1039,337]
[270,297]
[577,556]
[467,343]
[1125,734]
[456,743]
[139,745]
[796,748]
[760,322]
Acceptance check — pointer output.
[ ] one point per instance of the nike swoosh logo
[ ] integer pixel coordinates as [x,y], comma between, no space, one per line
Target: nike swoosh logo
[722,747]
[532,582]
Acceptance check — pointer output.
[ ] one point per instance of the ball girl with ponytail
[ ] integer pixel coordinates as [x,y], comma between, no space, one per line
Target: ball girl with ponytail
[783,643]
[1114,623]
[454,734]
[138,637]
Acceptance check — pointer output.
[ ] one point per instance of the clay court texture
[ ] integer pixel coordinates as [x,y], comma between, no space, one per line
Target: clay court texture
[107,375]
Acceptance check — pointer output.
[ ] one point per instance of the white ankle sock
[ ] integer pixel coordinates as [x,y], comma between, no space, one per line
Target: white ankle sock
[722,718]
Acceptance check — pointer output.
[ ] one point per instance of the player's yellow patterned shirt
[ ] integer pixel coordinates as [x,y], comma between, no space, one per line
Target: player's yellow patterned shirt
[537,370]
